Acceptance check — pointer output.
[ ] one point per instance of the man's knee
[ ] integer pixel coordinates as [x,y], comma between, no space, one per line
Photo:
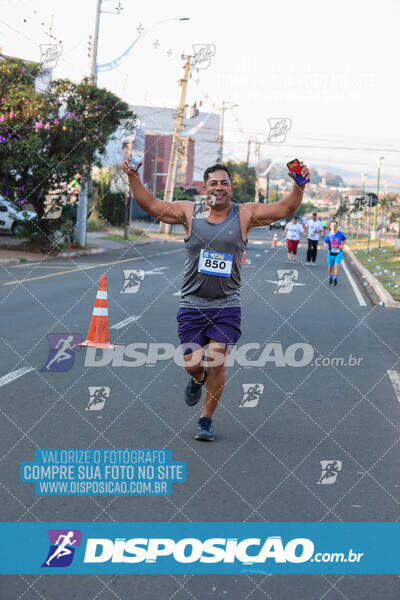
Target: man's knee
[194,369]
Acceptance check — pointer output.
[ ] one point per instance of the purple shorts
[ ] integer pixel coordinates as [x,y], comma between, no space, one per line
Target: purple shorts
[199,325]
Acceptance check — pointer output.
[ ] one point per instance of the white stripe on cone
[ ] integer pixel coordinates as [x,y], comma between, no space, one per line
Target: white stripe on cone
[101,295]
[100,312]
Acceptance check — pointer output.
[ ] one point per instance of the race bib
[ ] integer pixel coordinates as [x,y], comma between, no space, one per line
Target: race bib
[215,263]
[335,250]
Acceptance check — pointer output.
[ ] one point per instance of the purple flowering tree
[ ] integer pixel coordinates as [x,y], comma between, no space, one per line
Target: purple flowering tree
[47,138]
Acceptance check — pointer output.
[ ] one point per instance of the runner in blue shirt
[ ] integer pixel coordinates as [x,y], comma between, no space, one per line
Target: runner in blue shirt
[334,242]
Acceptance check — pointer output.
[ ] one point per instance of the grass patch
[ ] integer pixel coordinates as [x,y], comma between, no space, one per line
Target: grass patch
[134,233]
[94,224]
[383,263]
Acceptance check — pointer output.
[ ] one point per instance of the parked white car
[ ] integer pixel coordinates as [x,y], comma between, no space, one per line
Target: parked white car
[9,215]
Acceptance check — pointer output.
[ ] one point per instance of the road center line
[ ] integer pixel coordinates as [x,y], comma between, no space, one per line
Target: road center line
[14,375]
[353,284]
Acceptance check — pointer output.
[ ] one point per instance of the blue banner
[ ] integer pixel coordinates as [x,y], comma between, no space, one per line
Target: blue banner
[214,548]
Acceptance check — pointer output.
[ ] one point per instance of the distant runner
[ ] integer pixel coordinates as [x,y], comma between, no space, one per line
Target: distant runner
[293,230]
[334,241]
[210,315]
[313,228]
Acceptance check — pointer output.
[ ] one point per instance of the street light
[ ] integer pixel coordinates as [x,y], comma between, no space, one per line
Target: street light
[221,130]
[380,159]
[80,233]
[117,61]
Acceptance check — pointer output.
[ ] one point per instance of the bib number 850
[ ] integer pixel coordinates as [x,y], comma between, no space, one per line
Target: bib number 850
[214,264]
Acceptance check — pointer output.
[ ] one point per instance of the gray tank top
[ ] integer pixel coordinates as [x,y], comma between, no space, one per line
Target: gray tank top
[203,290]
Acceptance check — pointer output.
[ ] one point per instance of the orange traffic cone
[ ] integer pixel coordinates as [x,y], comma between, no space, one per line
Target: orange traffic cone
[244,258]
[275,240]
[98,331]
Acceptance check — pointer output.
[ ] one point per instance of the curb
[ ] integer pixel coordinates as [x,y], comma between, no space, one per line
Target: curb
[380,293]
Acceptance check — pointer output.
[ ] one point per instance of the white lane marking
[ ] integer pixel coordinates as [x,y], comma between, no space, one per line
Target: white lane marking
[125,322]
[395,379]
[353,284]
[276,282]
[14,375]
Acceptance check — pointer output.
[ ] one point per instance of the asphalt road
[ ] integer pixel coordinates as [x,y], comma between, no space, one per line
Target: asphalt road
[265,462]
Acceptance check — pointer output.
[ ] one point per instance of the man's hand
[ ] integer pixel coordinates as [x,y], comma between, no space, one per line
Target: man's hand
[126,166]
[305,172]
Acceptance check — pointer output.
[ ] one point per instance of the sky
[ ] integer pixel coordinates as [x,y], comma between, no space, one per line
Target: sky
[330,68]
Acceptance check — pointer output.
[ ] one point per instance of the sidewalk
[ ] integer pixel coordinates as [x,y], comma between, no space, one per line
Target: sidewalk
[96,243]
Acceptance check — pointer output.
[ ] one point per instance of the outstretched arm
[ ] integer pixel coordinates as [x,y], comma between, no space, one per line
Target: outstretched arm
[264,214]
[167,212]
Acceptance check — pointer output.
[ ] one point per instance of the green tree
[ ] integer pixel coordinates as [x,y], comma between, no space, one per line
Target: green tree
[46,138]
[238,176]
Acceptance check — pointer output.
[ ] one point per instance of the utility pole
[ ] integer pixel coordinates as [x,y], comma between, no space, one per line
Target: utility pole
[173,158]
[127,212]
[81,219]
[258,153]
[154,168]
[95,43]
[246,181]
[221,134]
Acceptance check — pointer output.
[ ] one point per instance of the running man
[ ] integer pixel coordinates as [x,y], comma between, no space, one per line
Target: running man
[286,280]
[334,242]
[62,550]
[292,232]
[313,228]
[62,353]
[209,313]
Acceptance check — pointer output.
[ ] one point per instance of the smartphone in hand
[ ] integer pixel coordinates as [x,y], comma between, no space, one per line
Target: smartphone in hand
[295,167]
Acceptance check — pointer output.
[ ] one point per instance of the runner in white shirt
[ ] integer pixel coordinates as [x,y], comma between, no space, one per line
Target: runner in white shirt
[293,230]
[313,228]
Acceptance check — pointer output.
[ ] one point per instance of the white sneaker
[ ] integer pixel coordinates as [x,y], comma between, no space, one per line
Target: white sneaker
[313,264]
[308,264]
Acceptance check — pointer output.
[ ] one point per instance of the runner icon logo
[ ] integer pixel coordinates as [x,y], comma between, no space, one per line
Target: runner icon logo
[97,397]
[278,129]
[202,206]
[203,54]
[286,281]
[128,129]
[50,54]
[329,471]
[252,393]
[62,351]
[133,279]
[62,547]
